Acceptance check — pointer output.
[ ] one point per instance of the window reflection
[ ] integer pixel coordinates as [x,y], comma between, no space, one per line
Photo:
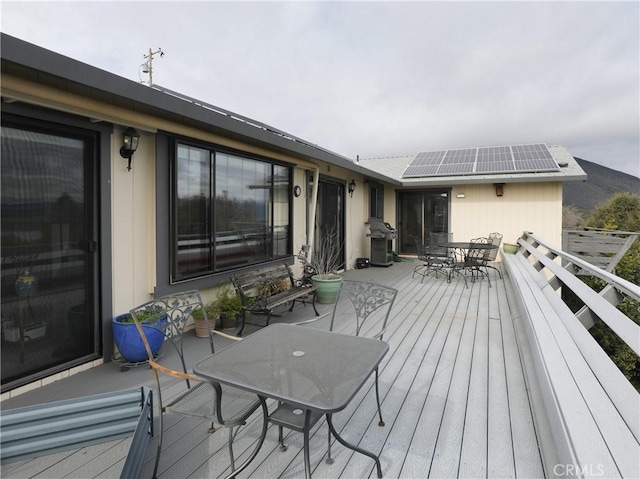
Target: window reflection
[249,221]
[46,275]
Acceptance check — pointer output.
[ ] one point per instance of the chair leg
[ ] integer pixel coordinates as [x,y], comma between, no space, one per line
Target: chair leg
[307,454]
[381,422]
[233,463]
[155,467]
[244,321]
[493,267]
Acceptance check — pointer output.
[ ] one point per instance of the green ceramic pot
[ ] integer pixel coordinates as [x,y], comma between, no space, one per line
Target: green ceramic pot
[327,287]
[510,248]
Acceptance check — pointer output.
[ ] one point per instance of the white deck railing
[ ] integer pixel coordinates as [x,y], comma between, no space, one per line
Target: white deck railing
[579,397]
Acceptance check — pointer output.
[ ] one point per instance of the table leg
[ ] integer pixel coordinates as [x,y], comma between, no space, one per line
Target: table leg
[354,447]
[263,434]
[307,455]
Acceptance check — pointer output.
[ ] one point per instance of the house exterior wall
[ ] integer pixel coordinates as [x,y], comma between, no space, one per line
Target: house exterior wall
[133,224]
[535,207]
[132,195]
[133,192]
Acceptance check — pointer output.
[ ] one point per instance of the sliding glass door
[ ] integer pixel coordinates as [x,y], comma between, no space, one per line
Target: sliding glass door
[421,213]
[48,250]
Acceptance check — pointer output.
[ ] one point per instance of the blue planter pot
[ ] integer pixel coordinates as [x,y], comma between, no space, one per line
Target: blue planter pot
[26,284]
[128,339]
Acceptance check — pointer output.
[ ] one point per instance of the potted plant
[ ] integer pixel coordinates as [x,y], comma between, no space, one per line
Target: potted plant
[227,306]
[127,338]
[326,260]
[201,324]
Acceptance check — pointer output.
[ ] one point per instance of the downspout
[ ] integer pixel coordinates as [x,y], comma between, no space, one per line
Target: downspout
[312,214]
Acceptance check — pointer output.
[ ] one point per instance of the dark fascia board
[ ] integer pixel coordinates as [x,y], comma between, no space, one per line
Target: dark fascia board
[78,77]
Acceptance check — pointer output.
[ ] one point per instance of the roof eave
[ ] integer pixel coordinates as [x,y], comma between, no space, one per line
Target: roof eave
[85,79]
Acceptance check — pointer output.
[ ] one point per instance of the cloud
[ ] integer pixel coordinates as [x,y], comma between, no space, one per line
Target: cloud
[380,78]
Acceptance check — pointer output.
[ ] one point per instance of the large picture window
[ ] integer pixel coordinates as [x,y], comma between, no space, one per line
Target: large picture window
[231,211]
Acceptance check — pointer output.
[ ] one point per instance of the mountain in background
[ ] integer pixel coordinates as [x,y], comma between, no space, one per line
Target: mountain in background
[602,183]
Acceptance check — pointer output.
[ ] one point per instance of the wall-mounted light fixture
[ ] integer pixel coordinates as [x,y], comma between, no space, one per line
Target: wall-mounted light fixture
[297,191]
[460,194]
[499,188]
[352,188]
[130,139]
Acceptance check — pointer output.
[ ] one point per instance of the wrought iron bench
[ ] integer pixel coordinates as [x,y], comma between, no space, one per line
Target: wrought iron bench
[264,290]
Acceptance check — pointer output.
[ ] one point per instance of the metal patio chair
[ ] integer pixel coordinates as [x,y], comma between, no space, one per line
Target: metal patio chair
[372,304]
[476,258]
[434,259]
[229,407]
[494,239]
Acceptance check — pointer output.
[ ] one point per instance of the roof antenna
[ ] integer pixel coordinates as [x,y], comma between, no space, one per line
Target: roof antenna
[147,66]
[357,159]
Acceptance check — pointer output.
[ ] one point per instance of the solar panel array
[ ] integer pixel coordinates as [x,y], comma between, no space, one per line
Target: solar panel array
[480,161]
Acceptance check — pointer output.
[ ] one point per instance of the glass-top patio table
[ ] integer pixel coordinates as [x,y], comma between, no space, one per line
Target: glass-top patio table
[312,372]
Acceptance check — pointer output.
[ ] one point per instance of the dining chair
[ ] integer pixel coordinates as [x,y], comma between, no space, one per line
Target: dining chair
[229,407]
[476,259]
[434,259]
[494,239]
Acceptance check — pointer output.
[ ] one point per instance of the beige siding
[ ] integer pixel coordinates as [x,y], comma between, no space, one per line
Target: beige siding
[133,224]
[533,207]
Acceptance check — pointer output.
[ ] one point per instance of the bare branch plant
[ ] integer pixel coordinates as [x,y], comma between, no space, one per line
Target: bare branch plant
[326,256]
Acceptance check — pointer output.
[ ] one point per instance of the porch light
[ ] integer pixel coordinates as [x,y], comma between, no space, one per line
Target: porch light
[499,188]
[352,188]
[130,139]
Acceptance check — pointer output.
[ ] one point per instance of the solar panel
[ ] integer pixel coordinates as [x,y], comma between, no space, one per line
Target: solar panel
[460,156]
[420,170]
[485,160]
[500,153]
[429,158]
[494,166]
[456,169]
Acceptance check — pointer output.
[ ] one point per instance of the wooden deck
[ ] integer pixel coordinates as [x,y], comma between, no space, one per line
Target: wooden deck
[453,389]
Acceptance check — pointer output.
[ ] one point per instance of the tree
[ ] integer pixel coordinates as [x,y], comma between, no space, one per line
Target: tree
[621,212]
[571,217]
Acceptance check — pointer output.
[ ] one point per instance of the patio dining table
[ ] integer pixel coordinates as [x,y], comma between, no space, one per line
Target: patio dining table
[311,371]
[461,253]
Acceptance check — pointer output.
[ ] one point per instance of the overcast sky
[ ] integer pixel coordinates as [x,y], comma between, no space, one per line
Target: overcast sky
[379,78]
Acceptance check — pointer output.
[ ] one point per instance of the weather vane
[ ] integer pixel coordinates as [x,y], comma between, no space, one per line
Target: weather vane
[147,66]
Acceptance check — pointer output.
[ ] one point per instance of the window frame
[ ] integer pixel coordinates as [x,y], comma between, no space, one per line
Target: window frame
[376,200]
[166,199]
[98,184]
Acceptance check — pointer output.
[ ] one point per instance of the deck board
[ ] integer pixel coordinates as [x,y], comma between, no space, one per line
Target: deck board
[526,454]
[446,457]
[452,389]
